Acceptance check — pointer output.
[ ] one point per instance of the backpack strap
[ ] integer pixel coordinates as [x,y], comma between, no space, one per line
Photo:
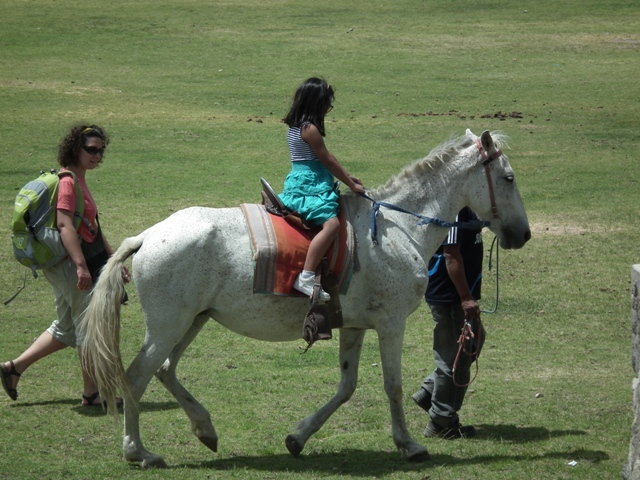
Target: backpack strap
[78,215]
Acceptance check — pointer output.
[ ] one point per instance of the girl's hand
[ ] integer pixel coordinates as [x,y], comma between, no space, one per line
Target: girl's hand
[357,186]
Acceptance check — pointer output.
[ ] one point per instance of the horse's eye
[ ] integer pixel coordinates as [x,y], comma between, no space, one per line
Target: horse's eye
[509,178]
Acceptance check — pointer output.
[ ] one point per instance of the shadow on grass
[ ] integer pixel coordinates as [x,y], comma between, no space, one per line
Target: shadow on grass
[369,464]
[363,463]
[144,407]
[96,410]
[514,434]
[46,403]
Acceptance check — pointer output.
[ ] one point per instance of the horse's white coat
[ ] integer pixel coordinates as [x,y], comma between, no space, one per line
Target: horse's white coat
[197,264]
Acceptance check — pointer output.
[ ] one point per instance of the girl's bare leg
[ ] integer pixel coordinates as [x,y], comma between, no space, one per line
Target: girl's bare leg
[321,243]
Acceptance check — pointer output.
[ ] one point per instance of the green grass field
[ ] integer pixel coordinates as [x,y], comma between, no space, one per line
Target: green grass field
[192,93]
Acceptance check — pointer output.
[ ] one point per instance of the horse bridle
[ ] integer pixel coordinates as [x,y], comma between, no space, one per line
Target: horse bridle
[486,160]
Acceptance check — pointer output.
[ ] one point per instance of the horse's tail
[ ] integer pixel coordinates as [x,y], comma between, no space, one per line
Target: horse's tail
[100,328]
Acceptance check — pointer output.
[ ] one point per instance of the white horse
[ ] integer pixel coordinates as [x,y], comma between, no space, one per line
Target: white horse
[197,264]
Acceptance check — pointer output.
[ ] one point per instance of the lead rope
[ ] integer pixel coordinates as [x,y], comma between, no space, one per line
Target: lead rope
[375,209]
[466,336]
[493,244]
[24,284]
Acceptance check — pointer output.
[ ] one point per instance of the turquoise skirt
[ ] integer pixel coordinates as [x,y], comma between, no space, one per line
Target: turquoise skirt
[309,190]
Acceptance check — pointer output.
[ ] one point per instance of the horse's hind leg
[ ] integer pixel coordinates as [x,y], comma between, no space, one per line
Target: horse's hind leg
[390,341]
[350,347]
[201,425]
[158,344]
[139,373]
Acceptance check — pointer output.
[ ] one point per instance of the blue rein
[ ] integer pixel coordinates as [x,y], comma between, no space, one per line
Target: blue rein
[375,209]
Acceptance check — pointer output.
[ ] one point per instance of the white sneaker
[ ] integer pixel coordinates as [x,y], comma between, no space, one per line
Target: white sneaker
[306,286]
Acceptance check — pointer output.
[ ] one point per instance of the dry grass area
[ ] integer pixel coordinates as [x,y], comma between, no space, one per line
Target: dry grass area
[555,228]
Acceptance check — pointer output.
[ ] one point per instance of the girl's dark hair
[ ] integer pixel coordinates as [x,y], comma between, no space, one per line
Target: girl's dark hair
[310,104]
[69,149]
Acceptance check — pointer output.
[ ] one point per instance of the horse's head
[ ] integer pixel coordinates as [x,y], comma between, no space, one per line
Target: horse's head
[493,194]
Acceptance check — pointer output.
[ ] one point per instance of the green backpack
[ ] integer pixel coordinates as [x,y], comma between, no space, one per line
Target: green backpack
[36,239]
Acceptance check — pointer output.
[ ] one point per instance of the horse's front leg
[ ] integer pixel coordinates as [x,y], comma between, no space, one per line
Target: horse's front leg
[350,347]
[199,416]
[390,340]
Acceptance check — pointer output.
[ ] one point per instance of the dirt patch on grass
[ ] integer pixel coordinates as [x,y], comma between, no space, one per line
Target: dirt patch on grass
[556,228]
[551,229]
[455,113]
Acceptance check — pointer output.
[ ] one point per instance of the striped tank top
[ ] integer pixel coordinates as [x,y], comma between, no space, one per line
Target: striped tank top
[299,149]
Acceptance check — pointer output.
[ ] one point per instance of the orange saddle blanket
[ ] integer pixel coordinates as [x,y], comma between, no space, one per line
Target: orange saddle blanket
[280,249]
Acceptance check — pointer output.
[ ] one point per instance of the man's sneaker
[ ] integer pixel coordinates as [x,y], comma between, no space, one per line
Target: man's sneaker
[423,399]
[449,433]
[306,286]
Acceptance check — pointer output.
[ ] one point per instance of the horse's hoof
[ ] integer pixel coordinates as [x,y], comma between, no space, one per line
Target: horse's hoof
[293,446]
[210,442]
[154,462]
[420,457]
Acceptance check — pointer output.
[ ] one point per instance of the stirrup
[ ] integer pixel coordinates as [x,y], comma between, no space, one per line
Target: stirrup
[271,201]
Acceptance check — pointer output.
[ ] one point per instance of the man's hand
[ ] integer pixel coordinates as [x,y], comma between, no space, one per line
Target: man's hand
[471,309]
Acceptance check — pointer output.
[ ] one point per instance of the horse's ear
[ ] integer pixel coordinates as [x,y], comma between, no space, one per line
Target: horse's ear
[471,135]
[487,142]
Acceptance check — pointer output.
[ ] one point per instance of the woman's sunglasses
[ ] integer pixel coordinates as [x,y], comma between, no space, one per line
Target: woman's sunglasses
[93,150]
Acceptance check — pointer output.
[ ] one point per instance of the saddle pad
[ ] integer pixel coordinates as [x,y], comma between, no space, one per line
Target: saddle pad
[279,251]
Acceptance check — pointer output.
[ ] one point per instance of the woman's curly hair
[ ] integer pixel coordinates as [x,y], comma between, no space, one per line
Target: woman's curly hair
[69,149]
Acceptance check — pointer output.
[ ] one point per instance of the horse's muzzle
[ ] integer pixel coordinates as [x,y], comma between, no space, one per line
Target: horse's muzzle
[510,239]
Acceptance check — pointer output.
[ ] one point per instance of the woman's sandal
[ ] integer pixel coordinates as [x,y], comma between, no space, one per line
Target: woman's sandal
[12,392]
[90,399]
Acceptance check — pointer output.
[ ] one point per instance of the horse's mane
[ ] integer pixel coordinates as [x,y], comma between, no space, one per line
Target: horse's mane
[439,157]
